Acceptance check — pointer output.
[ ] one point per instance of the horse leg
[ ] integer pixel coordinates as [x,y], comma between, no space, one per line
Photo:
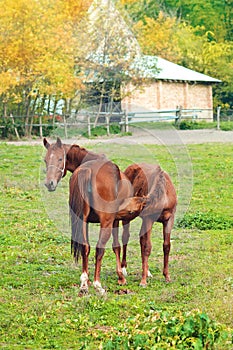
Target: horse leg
[117,250]
[145,242]
[106,226]
[167,227]
[85,250]
[125,240]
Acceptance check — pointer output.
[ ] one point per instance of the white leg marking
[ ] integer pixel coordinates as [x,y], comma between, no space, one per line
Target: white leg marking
[124,271]
[84,280]
[98,287]
[149,274]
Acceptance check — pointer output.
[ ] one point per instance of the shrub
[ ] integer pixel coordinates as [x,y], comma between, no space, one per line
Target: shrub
[161,330]
[205,221]
[193,124]
[102,130]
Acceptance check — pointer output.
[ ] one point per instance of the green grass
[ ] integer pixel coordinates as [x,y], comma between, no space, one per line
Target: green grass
[40,303]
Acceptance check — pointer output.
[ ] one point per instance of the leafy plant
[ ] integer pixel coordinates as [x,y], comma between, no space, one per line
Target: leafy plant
[162,330]
[102,130]
[205,221]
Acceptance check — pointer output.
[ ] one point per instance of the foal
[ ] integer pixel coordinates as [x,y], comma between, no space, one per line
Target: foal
[151,181]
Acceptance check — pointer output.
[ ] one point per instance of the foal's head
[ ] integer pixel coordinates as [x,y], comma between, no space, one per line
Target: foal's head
[55,160]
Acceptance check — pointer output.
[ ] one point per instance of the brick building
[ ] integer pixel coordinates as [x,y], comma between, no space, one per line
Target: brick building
[166,88]
[172,86]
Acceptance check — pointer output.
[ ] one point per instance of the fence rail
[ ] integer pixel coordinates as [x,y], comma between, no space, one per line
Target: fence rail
[86,120]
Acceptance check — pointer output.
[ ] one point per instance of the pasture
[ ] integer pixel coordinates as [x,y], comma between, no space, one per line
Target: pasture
[40,303]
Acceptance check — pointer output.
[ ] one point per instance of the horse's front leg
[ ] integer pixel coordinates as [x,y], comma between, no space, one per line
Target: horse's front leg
[125,240]
[117,250]
[105,233]
[145,242]
[167,227]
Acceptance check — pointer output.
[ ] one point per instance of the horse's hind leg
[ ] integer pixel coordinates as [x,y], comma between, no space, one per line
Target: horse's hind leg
[117,250]
[106,226]
[145,242]
[167,227]
[85,253]
[85,250]
[125,240]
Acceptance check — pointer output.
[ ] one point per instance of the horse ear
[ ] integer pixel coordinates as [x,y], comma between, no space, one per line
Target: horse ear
[46,143]
[59,143]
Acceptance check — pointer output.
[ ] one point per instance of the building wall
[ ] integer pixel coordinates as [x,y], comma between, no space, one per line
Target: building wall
[162,95]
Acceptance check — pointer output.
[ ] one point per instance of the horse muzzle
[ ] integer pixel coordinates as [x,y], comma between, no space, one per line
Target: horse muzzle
[51,185]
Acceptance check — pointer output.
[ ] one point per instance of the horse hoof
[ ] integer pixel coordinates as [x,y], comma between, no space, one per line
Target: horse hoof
[83,291]
[124,271]
[143,284]
[98,288]
[122,282]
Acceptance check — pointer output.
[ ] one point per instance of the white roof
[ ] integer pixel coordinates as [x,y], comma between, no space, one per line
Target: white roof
[169,71]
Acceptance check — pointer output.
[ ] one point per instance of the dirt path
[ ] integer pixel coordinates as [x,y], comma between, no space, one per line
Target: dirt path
[150,136]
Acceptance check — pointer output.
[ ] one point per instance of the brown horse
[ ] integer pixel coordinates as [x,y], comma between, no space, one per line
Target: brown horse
[152,181]
[146,180]
[95,196]
[99,192]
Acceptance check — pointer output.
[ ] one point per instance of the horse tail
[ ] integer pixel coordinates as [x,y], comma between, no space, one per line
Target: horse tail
[79,200]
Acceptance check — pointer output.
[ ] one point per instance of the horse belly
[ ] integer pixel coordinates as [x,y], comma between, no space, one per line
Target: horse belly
[93,217]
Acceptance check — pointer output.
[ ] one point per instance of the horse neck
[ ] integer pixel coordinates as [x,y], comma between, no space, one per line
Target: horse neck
[76,155]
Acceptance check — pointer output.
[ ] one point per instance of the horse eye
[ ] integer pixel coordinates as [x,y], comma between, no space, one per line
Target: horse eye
[60,159]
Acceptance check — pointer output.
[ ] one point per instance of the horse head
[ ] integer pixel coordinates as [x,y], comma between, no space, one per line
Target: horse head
[55,160]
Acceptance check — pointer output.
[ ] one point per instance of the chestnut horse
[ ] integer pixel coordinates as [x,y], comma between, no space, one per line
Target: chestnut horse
[99,192]
[146,180]
[151,181]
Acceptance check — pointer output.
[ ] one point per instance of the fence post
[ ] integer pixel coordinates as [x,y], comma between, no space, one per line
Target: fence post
[41,128]
[178,115]
[15,128]
[126,122]
[89,125]
[65,127]
[218,117]
[107,122]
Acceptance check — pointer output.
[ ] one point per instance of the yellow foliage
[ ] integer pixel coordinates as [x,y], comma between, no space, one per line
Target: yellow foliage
[157,36]
[38,45]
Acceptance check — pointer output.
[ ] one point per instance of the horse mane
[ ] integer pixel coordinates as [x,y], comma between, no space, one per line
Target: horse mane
[76,152]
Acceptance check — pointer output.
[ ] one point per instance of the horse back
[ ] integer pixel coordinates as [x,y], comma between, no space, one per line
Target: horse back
[150,180]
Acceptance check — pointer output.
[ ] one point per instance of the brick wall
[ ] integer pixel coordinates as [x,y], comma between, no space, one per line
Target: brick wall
[168,95]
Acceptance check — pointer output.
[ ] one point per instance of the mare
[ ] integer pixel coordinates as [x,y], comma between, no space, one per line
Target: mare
[99,192]
[151,181]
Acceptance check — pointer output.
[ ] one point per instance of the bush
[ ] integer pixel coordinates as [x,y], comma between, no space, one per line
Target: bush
[226,126]
[102,130]
[7,130]
[161,330]
[205,221]
[193,125]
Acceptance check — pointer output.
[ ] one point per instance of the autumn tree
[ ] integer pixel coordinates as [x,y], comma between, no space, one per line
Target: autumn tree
[37,54]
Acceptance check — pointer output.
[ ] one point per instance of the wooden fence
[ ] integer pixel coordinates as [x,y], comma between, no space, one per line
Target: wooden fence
[85,121]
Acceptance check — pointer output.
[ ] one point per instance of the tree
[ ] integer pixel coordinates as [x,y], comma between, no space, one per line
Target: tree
[37,54]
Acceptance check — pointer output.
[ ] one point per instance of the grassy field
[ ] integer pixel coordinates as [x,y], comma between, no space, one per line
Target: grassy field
[40,303]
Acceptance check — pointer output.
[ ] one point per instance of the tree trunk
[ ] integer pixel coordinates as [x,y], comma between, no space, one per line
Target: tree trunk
[28,101]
